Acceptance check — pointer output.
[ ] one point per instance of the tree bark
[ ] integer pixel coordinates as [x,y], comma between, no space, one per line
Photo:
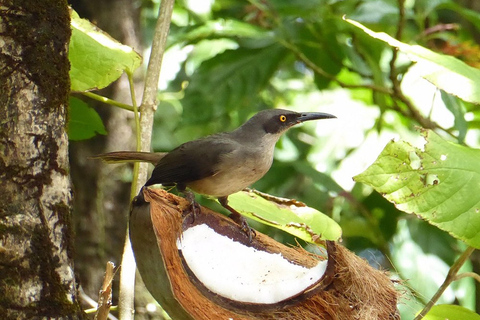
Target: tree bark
[36,248]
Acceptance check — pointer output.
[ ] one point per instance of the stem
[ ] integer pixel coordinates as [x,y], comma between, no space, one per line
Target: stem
[451,276]
[144,125]
[128,265]
[473,275]
[134,187]
[108,101]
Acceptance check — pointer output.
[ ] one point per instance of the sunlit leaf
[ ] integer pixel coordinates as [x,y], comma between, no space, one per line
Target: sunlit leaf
[96,59]
[451,312]
[445,72]
[441,183]
[301,221]
[83,121]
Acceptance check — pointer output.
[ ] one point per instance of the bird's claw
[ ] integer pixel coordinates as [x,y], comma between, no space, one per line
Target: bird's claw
[242,222]
[194,206]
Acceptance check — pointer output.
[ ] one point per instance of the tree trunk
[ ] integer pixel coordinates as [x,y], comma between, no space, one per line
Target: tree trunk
[36,265]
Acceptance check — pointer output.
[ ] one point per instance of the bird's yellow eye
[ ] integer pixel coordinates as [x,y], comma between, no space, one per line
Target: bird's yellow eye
[283,118]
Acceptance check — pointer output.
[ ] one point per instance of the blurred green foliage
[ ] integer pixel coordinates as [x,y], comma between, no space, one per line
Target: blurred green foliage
[239,57]
[229,59]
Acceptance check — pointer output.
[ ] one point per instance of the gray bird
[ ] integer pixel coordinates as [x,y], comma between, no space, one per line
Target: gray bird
[224,163]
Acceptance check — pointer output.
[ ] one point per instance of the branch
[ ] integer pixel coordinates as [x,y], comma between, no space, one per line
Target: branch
[149,103]
[398,36]
[451,276]
[397,94]
[309,63]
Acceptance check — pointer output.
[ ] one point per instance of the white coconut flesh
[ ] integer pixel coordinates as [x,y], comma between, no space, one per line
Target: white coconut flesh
[241,273]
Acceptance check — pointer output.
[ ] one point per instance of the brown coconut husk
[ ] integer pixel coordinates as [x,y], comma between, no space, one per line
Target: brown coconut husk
[349,289]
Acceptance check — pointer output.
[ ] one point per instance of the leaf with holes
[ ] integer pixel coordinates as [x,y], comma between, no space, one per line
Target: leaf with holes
[441,183]
[445,72]
[297,219]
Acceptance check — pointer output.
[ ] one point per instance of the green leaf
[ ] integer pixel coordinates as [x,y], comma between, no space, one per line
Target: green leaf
[456,107]
[83,121]
[441,184]
[376,11]
[230,81]
[451,312]
[296,8]
[445,72]
[320,46]
[301,221]
[97,59]
[222,28]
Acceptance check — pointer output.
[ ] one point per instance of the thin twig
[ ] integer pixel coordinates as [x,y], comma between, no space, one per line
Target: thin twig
[105,294]
[451,276]
[127,272]
[107,100]
[85,298]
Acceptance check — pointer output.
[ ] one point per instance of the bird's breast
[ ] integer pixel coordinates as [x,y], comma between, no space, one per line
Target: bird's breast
[235,172]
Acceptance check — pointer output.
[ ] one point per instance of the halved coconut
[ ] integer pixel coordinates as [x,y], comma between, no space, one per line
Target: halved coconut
[242,273]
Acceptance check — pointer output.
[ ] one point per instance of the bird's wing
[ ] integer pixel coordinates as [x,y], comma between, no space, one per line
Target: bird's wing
[191,161]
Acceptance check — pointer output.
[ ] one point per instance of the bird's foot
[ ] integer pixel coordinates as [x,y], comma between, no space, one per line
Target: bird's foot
[194,206]
[242,222]
[238,218]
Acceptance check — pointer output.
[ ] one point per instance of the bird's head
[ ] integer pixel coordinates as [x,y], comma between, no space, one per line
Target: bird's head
[277,121]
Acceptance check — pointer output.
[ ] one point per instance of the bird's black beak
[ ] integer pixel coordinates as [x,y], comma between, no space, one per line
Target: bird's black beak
[306,116]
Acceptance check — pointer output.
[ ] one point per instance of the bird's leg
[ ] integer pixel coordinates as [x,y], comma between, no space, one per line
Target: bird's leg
[190,196]
[238,218]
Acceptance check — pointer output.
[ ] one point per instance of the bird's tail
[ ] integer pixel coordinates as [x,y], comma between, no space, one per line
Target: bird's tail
[130,156]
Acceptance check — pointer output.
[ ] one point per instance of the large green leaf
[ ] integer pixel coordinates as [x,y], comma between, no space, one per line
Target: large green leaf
[97,59]
[445,72]
[451,312]
[222,28]
[230,81]
[301,221]
[440,184]
[83,121]
[320,46]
